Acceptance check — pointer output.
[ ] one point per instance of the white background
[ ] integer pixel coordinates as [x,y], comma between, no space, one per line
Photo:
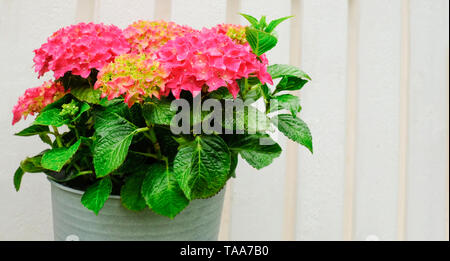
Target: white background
[377,107]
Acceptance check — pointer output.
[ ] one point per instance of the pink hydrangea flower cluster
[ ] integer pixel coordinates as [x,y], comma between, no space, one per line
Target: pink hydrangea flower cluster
[80,48]
[35,99]
[209,58]
[234,31]
[133,75]
[149,36]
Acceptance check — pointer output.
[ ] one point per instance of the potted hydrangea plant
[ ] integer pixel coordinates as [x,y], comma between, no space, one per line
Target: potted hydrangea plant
[145,125]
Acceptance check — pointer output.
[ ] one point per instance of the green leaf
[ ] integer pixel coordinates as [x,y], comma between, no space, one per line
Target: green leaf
[202,166]
[84,107]
[158,112]
[221,93]
[45,138]
[130,194]
[32,165]
[247,118]
[18,178]
[275,23]
[133,163]
[119,107]
[287,102]
[96,195]
[169,146]
[281,70]
[260,41]
[86,93]
[262,22]
[113,138]
[33,130]
[162,192]
[51,117]
[252,20]
[289,83]
[259,150]
[251,88]
[55,159]
[57,104]
[265,91]
[295,129]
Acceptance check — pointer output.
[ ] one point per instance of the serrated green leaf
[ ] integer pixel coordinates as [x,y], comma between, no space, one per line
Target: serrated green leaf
[265,91]
[169,146]
[113,138]
[158,112]
[259,150]
[162,192]
[247,119]
[275,23]
[281,70]
[86,93]
[33,130]
[130,194]
[119,107]
[55,159]
[252,20]
[260,41]
[295,129]
[96,195]
[221,93]
[287,102]
[18,178]
[202,166]
[289,83]
[51,117]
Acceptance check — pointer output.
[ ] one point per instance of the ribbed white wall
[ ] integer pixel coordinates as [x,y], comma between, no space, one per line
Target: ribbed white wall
[377,107]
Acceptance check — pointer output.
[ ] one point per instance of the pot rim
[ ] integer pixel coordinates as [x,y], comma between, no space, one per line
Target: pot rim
[75,191]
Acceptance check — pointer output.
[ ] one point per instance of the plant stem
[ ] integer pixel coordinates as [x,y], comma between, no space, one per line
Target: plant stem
[74,128]
[76,166]
[145,154]
[155,142]
[85,172]
[57,136]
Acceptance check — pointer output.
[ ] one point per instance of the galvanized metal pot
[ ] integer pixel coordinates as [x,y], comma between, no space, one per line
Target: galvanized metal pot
[72,221]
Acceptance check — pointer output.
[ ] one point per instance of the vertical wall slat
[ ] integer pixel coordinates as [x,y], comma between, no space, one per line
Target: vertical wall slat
[377,142]
[24,26]
[428,132]
[290,187]
[258,195]
[351,116]
[447,156]
[403,126]
[85,11]
[163,10]
[321,175]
